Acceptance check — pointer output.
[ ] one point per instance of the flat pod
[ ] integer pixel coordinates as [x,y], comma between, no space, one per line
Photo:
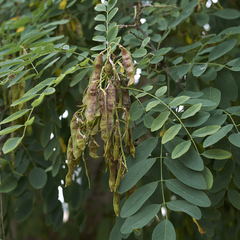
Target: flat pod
[98,64]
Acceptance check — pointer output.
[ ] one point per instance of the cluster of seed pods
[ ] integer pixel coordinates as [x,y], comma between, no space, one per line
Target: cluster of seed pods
[103,104]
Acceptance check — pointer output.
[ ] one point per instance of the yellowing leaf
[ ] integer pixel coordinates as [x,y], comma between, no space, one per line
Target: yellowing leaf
[188,39]
[122,68]
[62,4]
[63,145]
[16,18]
[199,228]
[162,132]
[58,72]
[20,29]
[73,25]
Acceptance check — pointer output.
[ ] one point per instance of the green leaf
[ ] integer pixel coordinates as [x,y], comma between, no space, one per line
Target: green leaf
[137,199]
[204,102]
[98,47]
[8,184]
[100,27]
[140,219]
[112,34]
[145,42]
[177,60]
[156,60]
[100,7]
[212,94]
[14,116]
[11,144]
[30,121]
[227,13]
[187,48]
[219,154]
[23,211]
[222,49]
[171,133]
[134,174]
[38,101]
[184,69]
[111,4]
[159,121]
[112,14]
[187,176]
[139,53]
[164,231]
[194,196]
[37,177]
[209,75]
[100,17]
[208,177]
[217,136]
[49,91]
[178,101]
[23,99]
[191,111]
[162,51]
[234,110]
[234,198]
[235,139]
[135,112]
[78,77]
[10,129]
[183,206]
[197,120]
[152,104]
[99,38]
[180,149]
[148,120]
[161,91]
[199,69]
[208,130]
[190,159]
[202,19]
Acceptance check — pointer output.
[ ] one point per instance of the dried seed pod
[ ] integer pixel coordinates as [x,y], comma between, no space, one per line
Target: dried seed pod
[77,161]
[93,147]
[103,122]
[127,120]
[112,174]
[116,203]
[116,141]
[81,140]
[98,64]
[131,145]
[128,63]
[91,102]
[131,191]
[108,68]
[94,129]
[119,91]
[120,173]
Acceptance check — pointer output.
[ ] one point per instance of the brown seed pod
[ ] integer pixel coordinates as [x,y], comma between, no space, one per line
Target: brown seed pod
[98,64]
[81,140]
[93,147]
[103,122]
[116,203]
[127,120]
[95,127]
[108,68]
[77,161]
[128,63]
[116,141]
[91,102]
[112,173]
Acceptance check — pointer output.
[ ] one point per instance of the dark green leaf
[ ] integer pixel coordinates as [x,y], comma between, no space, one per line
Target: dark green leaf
[37,177]
[8,184]
[137,199]
[187,176]
[111,4]
[228,13]
[199,69]
[134,174]
[112,14]
[183,206]
[234,198]
[187,48]
[139,53]
[235,139]
[208,177]
[140,219]
[198,119]
[23,211]
[194,196]
[164,231]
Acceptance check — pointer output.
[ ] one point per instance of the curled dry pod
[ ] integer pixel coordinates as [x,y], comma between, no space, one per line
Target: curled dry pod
[91,102]
[93,147]
[116,203]
[111,106]
[131,191]
[103,122]
[112,174]
[128,63]
[116,141]
[131,145]
[98,64]
[120,173]
[127,119]
[81,140]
